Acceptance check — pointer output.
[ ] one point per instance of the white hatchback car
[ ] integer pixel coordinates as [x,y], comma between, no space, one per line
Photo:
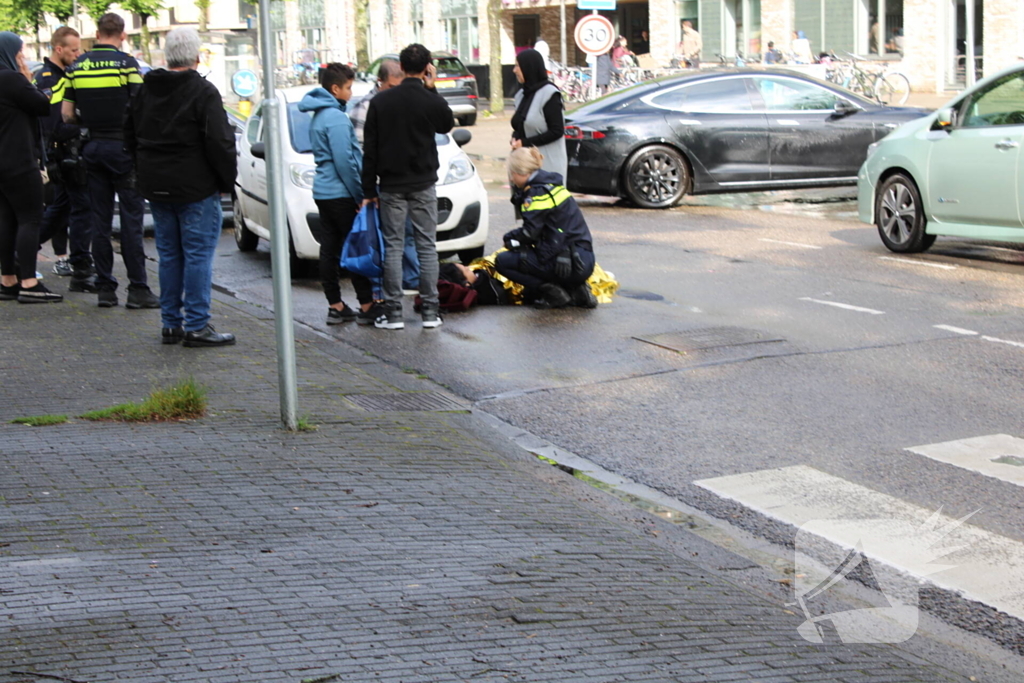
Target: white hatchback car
[462,210]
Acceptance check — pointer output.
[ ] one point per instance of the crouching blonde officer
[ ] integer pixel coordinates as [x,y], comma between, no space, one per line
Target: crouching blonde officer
[551,255]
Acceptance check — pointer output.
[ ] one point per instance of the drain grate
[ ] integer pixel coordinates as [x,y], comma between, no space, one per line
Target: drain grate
[708,338]
[422,401]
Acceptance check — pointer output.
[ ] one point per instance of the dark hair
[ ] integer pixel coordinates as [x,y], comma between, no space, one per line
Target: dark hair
[110,25]
[414,59]
[771,44]
[388,67]
[336,73]
[449,272]
[60,36]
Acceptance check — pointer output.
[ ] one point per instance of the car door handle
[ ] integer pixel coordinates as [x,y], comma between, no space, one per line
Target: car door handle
[787,122]
[1007,144]
[891,126]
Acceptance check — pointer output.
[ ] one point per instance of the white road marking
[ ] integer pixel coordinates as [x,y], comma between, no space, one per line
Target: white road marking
[914,262]
[1003,341]
[791,244]
[957,330]
[997,455]
[988,568]
[847,307]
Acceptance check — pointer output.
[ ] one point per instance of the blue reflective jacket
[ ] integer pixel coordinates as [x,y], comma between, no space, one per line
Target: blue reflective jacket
[339,159]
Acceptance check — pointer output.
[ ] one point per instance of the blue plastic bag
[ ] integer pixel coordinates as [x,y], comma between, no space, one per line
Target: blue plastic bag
[363,251]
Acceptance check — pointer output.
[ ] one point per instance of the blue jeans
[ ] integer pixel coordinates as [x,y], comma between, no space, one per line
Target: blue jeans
[186,239]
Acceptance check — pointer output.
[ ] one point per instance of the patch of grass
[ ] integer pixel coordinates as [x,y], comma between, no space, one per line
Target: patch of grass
[40,420]
[183,401]
[303,424]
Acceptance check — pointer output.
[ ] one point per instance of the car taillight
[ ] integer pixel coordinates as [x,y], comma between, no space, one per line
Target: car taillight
[577,133]
[469,83]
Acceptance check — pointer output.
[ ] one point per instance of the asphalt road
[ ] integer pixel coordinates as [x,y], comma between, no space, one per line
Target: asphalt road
[827,354]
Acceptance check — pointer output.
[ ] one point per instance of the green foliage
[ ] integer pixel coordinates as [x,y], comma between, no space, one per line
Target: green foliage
[183,401]
[304,424]
[40,420]
[62,9]
[94,8]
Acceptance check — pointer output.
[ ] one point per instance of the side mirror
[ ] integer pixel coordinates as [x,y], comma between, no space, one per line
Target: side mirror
[944,119]
[259,150]
[845,108]
[461,136]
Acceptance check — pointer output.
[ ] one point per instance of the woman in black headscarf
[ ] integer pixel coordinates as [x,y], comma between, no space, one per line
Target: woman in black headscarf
[21,185]
[539,121]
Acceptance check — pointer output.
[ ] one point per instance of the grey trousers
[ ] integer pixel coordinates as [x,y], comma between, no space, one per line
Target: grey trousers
[421,207]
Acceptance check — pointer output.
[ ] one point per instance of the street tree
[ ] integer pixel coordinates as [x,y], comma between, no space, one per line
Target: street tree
[497,89]
[62,9]
[204,14]
[145,9]
[95,8]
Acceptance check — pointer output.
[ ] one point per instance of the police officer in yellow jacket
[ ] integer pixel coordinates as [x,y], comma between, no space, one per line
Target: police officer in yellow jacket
[552,254]
[99,85]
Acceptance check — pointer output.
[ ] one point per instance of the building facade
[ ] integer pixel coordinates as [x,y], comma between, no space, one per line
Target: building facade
[928,40]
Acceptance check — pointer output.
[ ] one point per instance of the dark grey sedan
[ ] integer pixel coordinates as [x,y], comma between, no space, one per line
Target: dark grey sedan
[723,131]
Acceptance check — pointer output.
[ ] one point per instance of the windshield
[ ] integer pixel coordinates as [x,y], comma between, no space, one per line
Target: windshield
[299,123]
[450,66]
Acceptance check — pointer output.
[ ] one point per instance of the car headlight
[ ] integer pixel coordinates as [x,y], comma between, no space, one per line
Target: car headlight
[302,175]
[459,169]
[872,148]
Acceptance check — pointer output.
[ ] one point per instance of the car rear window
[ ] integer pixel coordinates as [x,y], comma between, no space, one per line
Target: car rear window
[450,66]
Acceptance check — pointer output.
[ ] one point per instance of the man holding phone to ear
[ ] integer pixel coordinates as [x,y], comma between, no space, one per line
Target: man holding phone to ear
[399,152]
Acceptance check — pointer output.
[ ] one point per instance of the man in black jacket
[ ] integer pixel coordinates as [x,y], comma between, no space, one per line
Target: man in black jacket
[399,149]
[184,150]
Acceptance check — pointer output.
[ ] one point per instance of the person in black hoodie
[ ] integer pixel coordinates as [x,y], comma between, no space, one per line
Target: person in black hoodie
[184,149]
[399,148]
[21,183]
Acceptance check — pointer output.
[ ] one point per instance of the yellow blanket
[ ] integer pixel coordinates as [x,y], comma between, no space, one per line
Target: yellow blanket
[601,283]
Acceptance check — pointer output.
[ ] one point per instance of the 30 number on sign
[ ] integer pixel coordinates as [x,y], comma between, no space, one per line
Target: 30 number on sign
[594,34]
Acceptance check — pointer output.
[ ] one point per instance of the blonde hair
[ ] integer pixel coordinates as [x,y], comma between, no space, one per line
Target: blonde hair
[525,160]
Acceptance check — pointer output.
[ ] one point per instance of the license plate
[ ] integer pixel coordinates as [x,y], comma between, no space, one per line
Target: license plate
[445,84]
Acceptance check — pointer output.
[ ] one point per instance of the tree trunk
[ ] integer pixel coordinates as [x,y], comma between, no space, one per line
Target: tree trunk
[204,16]
[145,39]
[497,87]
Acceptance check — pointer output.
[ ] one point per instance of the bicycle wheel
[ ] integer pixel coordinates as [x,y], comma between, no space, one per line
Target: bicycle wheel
[892,88]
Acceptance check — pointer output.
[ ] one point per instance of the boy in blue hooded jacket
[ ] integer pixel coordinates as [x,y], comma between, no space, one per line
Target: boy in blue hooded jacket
[337,185]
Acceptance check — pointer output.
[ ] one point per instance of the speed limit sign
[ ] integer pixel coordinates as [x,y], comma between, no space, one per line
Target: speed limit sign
[594,34]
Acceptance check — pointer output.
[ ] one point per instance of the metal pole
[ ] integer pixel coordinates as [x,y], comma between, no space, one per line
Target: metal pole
[561,19]
[969,44]
[278,229]
[593,80]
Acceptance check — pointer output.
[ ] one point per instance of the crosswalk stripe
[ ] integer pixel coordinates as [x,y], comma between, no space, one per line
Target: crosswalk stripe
[997,455]
[987,568]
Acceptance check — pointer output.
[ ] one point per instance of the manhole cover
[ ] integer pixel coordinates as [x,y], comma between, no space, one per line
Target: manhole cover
[708,338]
[1009,460]
[430,400]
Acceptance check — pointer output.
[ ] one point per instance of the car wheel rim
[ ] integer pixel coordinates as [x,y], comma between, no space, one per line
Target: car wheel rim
[899,212]
[237,220]
[657,177]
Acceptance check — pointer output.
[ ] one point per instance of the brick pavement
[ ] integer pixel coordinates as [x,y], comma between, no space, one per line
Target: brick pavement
[386,546]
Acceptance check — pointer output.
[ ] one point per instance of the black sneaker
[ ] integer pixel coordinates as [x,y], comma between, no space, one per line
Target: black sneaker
[141,298]
[336,317]
[172,335]
[38,295]
[83,281]
[370,315]
[584,297]
[62,268]
[552,296]
[106,298]
[390,318]
[10,293]
[431,316]
[208,337]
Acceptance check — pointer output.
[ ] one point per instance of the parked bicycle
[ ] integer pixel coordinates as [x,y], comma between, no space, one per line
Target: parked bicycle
[885,87]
